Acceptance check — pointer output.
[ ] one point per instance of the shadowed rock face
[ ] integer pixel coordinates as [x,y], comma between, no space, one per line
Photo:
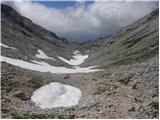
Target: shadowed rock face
[126,88]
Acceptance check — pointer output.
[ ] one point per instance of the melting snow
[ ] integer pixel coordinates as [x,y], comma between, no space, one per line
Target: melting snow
[3,45]
[77,58]
[42,55]
[76,52]
[56,95]
[87,50]
[45,67]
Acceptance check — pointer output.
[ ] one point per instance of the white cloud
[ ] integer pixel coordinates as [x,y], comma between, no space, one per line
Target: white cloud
[83,22]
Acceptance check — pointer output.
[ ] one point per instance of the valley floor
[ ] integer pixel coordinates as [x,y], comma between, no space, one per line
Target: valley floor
[126,91]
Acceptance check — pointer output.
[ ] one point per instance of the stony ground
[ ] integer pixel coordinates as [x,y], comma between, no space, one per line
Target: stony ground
[129,91]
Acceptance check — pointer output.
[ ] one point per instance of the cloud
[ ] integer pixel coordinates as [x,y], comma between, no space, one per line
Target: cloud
[81,22]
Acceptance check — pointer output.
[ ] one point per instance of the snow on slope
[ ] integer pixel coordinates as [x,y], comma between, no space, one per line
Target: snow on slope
[77,58]
[3,45]
[42,55]
[87,50]
[56,95]
[45,67]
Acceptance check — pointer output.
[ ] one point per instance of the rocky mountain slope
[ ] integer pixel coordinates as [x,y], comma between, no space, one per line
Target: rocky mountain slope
[135,43]
[125,85]
[27,37]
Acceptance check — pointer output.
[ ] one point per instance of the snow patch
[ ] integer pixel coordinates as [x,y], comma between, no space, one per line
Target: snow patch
[3,45]
[56,95]
[42,55]
[77,58]
[76,52]
[87,50]
[45,67]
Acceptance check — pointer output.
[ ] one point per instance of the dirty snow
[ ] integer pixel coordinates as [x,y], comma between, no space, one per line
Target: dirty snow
[3,45]
[56,95]
[45,67]
[77,58]
[42,55]
[87,50]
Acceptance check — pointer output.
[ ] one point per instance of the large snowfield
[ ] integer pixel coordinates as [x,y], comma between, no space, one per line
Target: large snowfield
[56,95]
[45,67]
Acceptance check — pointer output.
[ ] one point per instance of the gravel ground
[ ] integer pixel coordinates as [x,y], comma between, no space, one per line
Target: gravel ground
[129,91]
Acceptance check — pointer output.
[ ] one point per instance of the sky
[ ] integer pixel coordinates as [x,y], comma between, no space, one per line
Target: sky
[60,4]
[80,21]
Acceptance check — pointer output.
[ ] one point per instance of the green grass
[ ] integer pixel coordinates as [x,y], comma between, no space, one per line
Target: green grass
[103,87]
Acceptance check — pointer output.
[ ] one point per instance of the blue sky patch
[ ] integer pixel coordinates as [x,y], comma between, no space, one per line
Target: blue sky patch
[61,4]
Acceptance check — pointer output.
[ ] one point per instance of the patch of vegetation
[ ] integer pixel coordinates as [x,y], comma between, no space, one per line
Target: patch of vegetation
[133,41]
[34,116]
[111,93]
[153,110]
[134,86]
[4,110]
[106,76]
[94,79]
[60,116]
[25,33]
[28,116]
[35,82]
[156,92]
[103,87]
[138,56]
[127,79]
[145,49]
[67,76]
[42,116]
[138,100]
[132,109]
[155,105]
